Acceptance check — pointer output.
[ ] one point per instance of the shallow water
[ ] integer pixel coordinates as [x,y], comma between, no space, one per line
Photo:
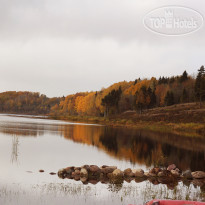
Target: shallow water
[30,144]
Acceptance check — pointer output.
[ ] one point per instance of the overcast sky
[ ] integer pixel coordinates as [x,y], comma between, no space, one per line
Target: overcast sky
[67,46]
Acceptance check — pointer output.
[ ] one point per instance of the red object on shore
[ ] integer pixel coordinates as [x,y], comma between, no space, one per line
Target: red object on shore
[173,202]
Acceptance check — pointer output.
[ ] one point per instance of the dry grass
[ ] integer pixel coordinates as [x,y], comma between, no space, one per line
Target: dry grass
[187,119]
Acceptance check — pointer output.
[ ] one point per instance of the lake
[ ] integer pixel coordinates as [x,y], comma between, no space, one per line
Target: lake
[30,144]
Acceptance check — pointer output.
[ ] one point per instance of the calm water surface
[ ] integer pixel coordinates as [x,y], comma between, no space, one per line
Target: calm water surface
[30,144]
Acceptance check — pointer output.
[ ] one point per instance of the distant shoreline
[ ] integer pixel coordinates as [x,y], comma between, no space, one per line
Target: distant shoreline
[25,115]
[185,129]
[181,119]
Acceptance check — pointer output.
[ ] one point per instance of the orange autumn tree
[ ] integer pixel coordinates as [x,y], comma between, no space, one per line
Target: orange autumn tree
[89,103]
[101,94]
[26,102]
[85,105]
[160,92]
[138,94]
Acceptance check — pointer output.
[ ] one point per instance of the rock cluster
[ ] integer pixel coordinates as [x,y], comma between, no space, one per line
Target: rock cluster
[111,174]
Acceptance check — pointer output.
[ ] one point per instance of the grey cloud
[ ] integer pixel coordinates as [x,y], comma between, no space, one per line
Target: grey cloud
[68,46]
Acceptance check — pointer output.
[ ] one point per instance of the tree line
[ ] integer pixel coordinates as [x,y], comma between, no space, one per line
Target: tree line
[26,102]
[135,95]
[138,95]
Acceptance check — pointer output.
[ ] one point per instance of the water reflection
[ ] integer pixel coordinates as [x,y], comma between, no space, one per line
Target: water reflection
[22,129]
[142,147]
[51,145]
[137,146]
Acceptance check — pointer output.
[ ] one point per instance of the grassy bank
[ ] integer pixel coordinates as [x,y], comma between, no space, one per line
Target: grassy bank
[187,119]
[186,129]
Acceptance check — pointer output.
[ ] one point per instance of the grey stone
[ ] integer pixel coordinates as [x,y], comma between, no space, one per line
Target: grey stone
[108,169]
[84,172]
[128,172]
[187,174]
[138,172]
[175,173]
[117,173]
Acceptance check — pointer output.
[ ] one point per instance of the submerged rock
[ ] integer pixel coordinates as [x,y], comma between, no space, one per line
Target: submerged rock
[138,172]
[108,169]
[69,170]
[104,178]
[171,167]
[175,173]
[94,168]
[172,185]
[154,172]
[117,173]
[178,170]
[151,175]
[198,182]
[77,177]
[157,170]
[110,174]
[62,173]
[198,175]
[117,176]
[73,174]
[93,181]
[164,173]
[83,179]
[140,179]
[187,174]
[146,174]
[94,172]
[77,172]
[77,168]
[128,179]
[104,166]
[153,180]
[84,173]
[87,167]
[128,173]
[161,174]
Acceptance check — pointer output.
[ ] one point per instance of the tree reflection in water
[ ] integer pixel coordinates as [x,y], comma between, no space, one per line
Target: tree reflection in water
[142,147]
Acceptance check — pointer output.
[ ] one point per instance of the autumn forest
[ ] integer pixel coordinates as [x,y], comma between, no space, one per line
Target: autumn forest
[139,95]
